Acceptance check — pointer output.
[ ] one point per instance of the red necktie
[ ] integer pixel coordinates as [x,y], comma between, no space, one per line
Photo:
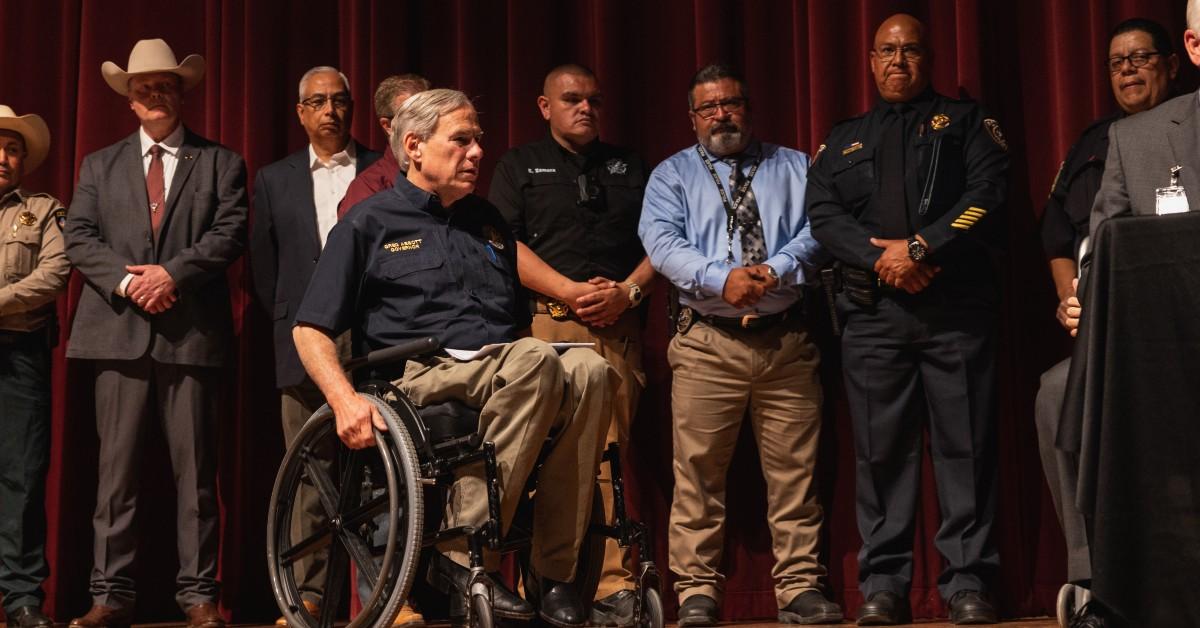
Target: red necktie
[155,187]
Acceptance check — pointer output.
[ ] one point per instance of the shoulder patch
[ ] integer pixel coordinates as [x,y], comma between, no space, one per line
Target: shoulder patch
[60,217]
[993,129]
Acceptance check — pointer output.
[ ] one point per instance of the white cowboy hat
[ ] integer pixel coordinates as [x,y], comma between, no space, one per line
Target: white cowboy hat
[153,55]
[34,131]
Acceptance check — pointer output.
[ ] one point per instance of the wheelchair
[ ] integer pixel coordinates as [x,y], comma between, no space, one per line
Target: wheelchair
[403,481]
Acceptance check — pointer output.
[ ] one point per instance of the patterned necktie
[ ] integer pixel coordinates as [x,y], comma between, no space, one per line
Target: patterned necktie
[155,187]
[754,248]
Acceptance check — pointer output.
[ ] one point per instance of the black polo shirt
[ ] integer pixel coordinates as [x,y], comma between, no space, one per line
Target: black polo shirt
[400,266]
[1069,207]
[583,228]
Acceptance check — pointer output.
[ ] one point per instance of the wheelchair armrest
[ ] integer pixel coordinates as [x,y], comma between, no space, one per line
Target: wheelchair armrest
[403,351]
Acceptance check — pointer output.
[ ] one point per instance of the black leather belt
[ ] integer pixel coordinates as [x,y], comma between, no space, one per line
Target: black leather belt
[747,322]
[9,337]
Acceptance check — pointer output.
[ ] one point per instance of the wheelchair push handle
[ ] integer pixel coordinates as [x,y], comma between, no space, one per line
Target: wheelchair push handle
[395,353]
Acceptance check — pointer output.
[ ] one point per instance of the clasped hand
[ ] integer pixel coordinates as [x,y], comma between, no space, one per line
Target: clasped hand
[599,301]
[151,288]
[896,268]
[745,285]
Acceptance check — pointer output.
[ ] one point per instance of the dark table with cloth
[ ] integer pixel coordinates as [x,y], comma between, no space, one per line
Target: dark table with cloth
[1133,417]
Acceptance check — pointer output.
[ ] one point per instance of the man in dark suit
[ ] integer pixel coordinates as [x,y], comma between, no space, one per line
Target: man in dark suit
[155,221]
[295,206]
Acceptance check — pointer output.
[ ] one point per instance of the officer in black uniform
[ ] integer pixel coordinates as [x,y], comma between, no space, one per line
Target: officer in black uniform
[1141,64]
[573,202]
[901,196]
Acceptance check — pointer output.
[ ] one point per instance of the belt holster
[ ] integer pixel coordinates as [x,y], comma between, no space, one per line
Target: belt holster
[861,286]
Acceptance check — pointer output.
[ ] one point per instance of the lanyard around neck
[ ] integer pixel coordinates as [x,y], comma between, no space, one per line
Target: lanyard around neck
[731,207]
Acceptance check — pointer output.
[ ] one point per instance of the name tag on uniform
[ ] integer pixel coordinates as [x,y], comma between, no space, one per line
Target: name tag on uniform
[1171,199]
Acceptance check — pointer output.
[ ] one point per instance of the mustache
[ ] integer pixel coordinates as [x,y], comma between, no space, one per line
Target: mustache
[724,127]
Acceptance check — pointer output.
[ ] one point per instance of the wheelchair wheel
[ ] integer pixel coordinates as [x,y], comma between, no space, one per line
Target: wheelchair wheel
[651,615]
[361,494]
[481,612]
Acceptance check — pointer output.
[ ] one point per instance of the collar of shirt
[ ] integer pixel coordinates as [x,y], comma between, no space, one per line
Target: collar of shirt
[425,201]
[15,195]
[170,143]
[347,157]
[744,158]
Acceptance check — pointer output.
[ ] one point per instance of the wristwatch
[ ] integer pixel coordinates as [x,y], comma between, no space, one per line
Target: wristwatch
[916,250]
[635,294]
[771,271]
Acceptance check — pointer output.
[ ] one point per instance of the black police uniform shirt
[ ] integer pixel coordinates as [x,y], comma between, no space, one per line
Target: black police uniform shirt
[1069,207]
[956,160]
[400,266]
[582,227]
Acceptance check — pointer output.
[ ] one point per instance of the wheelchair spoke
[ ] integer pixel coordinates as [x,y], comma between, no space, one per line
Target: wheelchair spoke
[317,541]
[355,516]
[335,579]
[351,470]
[329,494]
[361,555]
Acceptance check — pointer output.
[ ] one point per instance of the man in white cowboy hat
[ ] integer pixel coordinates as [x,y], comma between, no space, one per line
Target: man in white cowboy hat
[33,270]
[155,221]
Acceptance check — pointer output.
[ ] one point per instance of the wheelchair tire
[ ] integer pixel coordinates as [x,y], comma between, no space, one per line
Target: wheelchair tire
[349,520]
[652,609]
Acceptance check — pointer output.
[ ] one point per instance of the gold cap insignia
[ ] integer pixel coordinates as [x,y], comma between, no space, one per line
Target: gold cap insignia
[27,218]
[939,121]
[993,129]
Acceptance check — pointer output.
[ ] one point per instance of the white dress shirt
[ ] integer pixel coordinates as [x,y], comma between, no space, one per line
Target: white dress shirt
[330,180]
[170,158]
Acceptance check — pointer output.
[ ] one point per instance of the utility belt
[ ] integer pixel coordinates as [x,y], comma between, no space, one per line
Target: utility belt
[747,322]
[862,288]
[40,337]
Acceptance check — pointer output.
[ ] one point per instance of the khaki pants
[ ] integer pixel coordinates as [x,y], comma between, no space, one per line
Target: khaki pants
[720,377]
[525,393]
[621,345]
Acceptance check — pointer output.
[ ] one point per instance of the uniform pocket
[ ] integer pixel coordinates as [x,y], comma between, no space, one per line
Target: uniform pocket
[20,253]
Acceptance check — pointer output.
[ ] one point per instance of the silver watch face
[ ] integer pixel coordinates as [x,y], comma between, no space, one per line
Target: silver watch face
[915,250]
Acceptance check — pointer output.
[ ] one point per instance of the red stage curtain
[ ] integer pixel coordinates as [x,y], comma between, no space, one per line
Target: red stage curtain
[1034,63]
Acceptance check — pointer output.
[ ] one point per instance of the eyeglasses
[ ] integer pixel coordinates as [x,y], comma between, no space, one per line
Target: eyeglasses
[729,105]
[1137,60]
[341,102]
[589,191]
[910,52]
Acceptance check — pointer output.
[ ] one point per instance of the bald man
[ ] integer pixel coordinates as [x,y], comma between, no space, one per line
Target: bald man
[902,196]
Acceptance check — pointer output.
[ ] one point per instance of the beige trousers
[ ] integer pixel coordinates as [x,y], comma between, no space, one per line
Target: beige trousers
[721,377]
[526,393]
[621,345]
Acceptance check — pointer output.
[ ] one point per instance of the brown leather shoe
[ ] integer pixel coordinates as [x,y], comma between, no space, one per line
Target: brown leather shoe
[311,607]
[408,618]
[104,617]
[205,616]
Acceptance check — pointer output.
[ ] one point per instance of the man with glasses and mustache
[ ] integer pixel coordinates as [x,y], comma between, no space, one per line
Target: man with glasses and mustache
[295,206]
[573,203]
[724,221]
[1141,64]
[902,196]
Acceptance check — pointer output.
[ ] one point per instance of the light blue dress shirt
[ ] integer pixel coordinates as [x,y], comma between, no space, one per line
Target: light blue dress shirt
[683,227]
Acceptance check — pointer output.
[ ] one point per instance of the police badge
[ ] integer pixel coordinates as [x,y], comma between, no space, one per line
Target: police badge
[27,218]
[939,122]
[685,320]
[616,166]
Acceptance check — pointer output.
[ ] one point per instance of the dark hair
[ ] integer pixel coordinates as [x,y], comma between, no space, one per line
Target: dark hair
[577,69]
[712,73]
[1158,34]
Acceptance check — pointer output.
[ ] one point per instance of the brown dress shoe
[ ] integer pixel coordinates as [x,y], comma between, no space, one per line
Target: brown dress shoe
[205,616]
[103,617]
[311,607]
[408,618]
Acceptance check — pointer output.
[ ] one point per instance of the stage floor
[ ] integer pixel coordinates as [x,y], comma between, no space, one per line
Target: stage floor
[1041,622]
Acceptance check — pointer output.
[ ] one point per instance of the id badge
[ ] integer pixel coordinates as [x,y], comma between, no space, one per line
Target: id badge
[1171,199]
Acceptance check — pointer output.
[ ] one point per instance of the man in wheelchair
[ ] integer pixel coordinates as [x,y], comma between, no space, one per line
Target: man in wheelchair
[429,258]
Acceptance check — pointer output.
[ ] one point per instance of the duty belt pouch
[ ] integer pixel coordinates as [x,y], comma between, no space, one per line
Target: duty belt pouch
[861,286]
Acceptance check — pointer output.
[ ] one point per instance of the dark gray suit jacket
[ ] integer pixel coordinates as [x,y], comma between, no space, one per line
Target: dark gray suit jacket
[202,233]
[285,246]
[1142,149]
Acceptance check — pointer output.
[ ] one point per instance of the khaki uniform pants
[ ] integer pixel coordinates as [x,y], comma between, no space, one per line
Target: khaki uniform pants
[720,377]
[621,345]
[525,393]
